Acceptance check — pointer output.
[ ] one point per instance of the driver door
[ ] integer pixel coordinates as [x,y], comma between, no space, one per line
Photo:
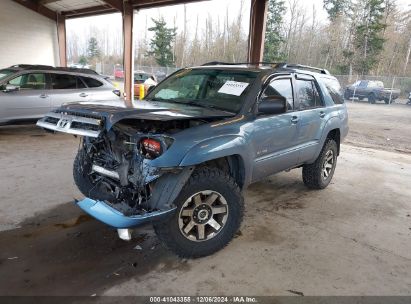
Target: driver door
[30,101]
[274,137]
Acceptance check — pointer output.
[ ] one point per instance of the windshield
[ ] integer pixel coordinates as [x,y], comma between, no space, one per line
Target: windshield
[210,88]
[4,73]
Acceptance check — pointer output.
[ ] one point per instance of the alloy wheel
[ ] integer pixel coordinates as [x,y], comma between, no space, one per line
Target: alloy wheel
[203,215]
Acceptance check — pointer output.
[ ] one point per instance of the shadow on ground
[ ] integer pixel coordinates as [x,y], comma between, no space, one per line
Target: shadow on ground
[64,252]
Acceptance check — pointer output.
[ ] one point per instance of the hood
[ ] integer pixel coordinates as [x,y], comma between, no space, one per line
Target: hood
[114,111]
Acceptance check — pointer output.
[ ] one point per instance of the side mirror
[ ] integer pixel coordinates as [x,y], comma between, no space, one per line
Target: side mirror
[150,89]
[272,105]
[10,88]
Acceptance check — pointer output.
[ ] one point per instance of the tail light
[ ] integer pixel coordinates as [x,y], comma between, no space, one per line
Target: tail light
[117,92]
[151,148]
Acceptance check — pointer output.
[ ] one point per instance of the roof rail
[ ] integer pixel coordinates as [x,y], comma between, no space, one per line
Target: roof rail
[51,68]
[274,64]
[238,63]
[305,67]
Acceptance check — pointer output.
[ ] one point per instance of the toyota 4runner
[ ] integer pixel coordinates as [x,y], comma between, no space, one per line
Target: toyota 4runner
[182,157]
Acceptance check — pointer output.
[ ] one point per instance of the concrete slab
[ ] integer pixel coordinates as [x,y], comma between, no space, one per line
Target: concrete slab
[349,239]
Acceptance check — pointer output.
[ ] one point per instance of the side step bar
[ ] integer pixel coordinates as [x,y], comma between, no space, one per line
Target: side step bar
[114,218]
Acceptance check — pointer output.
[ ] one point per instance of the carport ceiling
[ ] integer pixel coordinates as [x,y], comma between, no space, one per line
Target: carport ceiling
[83,8]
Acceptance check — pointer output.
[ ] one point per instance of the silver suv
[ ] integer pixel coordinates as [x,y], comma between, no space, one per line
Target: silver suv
[29,91]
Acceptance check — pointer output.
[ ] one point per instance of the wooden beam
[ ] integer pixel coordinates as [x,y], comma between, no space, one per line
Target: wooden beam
[116,4]
[61,34]
[140,4]
[128,54]
[89,11]
[38,8]
[258,18]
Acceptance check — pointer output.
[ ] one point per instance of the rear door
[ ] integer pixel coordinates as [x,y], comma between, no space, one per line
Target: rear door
[97,90]
[312,113]
[31,101]
[67,88]
[274,137]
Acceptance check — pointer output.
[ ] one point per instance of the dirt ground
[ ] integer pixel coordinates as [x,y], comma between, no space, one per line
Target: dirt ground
[352,238]
[380,126]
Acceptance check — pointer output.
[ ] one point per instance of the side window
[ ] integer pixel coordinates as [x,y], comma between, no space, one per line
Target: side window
[334,89]
[63,82]
[308,94]
[33,81]
[80,83]
[281,87]
[91,82]
[363,84]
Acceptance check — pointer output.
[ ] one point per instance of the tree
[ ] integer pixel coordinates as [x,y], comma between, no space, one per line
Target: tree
[82,60]
[335,8]
[93,49]
[161,44]
[274,37]
[368,40]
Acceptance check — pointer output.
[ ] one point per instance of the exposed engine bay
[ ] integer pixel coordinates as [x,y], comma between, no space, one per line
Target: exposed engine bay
[117,163]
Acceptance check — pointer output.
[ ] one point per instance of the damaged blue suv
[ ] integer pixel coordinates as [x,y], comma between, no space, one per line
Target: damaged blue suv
[182,157]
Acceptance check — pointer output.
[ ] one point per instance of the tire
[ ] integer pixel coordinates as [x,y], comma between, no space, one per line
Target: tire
[372,98]
[182,232]
[82,179]
[313,174]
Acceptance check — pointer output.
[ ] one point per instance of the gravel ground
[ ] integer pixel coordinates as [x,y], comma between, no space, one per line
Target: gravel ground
[380,126]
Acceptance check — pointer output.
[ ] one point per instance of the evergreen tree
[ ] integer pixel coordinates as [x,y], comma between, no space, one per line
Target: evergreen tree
[368,40]
[161,44]
[82,60]
[336,8]
[273,37]
[93,49]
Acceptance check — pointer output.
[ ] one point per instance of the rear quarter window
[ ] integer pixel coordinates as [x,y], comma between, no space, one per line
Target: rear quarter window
[334,89]
[91,82]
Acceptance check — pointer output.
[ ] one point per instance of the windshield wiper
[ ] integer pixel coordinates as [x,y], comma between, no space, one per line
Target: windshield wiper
[202,105]
[190,103]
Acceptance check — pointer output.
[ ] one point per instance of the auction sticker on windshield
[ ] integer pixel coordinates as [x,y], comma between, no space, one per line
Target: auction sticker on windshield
[233,87]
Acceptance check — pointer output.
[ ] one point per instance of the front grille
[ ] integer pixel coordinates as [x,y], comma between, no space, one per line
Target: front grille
[84,126]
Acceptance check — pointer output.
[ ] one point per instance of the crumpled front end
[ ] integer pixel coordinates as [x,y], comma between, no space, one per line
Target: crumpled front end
[114,166]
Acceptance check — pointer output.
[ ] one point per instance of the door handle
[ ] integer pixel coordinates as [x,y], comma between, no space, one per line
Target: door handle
[322,114]
[83,95]
[294,119]
[44,96]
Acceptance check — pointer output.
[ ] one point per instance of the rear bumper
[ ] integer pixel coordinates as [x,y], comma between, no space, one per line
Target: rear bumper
[114,218]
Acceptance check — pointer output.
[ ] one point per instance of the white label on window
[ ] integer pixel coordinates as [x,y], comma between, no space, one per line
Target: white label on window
[233,87]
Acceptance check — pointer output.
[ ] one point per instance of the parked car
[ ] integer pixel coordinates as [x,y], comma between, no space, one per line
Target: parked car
[27,92]
[182,158]
[118,72]
[372,90]
[144,79]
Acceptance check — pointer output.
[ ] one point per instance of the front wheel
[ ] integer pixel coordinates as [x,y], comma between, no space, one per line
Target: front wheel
[319,174]
[372,98]
[209,212]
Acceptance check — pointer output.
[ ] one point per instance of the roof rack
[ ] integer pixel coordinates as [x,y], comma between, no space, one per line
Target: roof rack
[238,63]
[305,67]
[274,64]
[51,68]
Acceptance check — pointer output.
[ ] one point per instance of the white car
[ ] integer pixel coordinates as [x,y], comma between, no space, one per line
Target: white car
[27,92]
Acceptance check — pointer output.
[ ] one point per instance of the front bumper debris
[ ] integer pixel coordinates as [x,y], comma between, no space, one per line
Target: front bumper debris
[114,218]
[71,124]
